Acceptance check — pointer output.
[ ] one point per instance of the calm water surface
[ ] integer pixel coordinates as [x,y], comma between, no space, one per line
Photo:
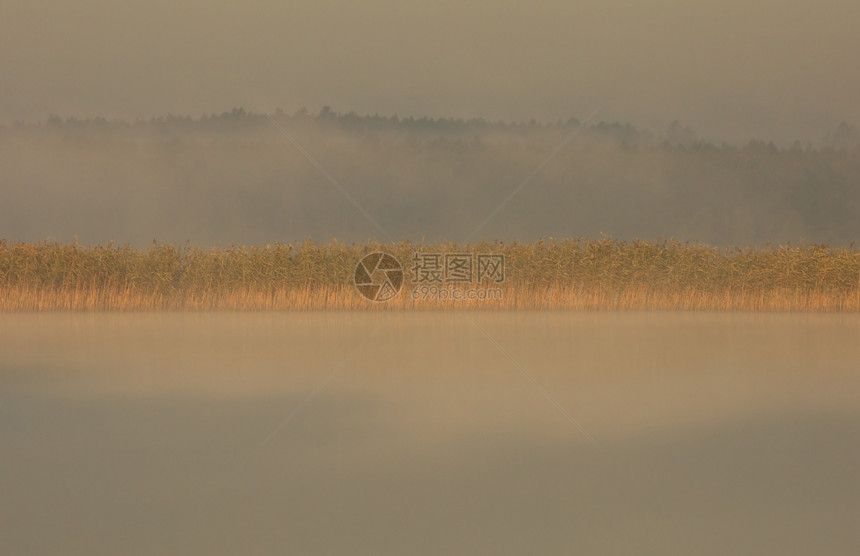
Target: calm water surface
[457,433]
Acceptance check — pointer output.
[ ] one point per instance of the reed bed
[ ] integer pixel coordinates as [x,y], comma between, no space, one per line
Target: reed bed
[577,274]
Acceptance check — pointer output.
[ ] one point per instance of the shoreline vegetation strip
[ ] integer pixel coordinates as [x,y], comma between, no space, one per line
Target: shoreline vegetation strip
[571,274]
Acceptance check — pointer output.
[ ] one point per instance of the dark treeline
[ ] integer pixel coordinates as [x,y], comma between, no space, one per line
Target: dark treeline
[235,178]
[239,118]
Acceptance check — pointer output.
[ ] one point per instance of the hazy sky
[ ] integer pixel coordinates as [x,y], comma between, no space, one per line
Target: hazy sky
[731,69]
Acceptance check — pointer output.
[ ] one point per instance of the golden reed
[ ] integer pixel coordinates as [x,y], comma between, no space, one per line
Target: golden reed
[576,274]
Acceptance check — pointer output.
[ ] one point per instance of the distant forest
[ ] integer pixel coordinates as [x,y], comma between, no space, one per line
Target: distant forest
[235,178]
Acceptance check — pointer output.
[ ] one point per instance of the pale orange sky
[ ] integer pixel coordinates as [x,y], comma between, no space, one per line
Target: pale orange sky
[731,69]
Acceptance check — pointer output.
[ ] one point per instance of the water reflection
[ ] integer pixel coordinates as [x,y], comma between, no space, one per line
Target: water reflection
[144,433]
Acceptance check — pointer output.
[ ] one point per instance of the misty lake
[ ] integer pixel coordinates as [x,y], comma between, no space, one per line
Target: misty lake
[429,433]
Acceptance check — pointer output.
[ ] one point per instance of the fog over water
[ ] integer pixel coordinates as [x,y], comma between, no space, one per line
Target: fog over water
[731,122]
[236,178]
[394,433]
